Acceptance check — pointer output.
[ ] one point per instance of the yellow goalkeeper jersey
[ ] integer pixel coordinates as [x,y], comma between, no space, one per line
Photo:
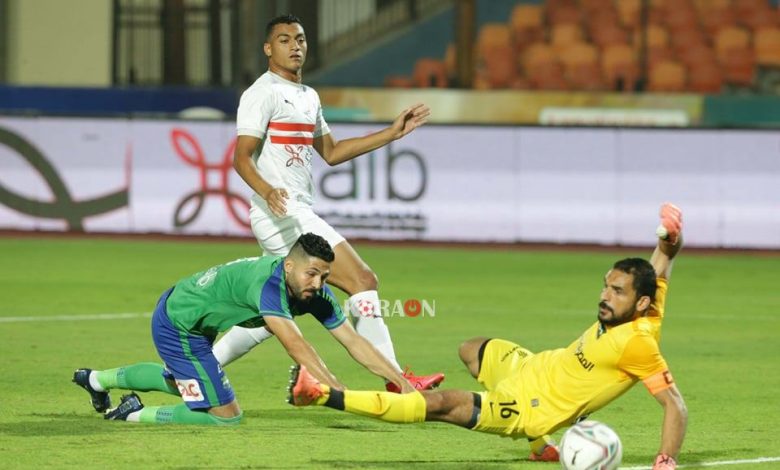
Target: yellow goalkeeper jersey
[557,387]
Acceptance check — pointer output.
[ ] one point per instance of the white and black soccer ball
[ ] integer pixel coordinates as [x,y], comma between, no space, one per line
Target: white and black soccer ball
[590,445]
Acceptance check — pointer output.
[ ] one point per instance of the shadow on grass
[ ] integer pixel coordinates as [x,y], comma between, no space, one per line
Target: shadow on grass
[421,464]
[58,424]
[318,419]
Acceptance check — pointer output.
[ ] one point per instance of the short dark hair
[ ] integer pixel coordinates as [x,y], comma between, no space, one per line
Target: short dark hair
[284,19]
[644,275]
[313,245]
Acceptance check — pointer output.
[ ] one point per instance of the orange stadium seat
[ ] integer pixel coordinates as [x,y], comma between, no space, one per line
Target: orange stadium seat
[729,39]
[718,18]
[667,76]
[538,53]
[628,10]
[526,16]
[500,66]
[685,38]
[678,18]
[548,77]
[595,5]
[542,69]
[766,44]
[430,73]
[657,37]
[698,55]
[620,67]
[564,14]
[759,18]
[658,55]
[527,25]
[705,78]
[738,66]
[609,35]
[563,35]
[581,67]
[493,35]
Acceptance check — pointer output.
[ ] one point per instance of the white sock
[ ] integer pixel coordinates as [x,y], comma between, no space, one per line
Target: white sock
[134,417]
[237,342]
[93,382]
[369,323]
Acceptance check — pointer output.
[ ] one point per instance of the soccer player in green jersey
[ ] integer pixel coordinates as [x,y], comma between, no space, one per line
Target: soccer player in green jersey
[250,292]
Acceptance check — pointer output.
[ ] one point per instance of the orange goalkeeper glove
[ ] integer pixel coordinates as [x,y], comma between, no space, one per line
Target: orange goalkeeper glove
[671,223]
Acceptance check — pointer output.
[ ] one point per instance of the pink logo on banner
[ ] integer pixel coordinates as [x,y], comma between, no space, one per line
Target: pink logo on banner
[189,151]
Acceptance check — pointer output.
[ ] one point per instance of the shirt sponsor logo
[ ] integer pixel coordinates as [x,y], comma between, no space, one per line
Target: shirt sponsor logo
[584,362]
[520,352]
[189,390]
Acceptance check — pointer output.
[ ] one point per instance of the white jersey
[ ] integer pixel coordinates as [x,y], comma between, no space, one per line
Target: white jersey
[287,116]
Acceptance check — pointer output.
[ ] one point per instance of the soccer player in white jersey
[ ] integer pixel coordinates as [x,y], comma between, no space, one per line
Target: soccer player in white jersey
[280,125]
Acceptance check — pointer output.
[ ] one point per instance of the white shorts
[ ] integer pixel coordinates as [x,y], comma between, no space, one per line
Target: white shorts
[277,235]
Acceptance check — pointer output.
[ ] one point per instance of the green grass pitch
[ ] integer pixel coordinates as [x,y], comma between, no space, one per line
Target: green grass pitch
[721,339]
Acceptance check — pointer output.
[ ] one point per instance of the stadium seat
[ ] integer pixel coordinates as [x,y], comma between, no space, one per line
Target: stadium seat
[581,67]
[628,10]
[527,25]
[563,35]
[698,55]
[657,37]
[591,6]
[493,35]
[542,69]
[548,76]
[657,55]
[731,38]
[608,35]
[766,44]
[715,19]
[667,76]
[681,18]
[500,66]
[738,66]
[705,78]
[564,15]
[620,67]
[430,73]
[687,37]
[758,17]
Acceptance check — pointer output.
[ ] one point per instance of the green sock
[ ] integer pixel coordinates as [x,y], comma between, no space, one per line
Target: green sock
[181,414]
[142,377]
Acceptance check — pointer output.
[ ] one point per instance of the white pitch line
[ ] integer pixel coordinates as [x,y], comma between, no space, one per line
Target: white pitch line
[100,316]
[714,464]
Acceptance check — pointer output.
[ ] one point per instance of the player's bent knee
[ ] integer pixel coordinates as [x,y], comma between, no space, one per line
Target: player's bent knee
[469,353]
[230,411]
[367,279]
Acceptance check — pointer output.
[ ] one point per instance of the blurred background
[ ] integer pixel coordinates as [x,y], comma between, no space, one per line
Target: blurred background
[560,110]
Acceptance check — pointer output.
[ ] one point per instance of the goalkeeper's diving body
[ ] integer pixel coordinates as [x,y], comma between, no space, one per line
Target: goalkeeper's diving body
[532,395]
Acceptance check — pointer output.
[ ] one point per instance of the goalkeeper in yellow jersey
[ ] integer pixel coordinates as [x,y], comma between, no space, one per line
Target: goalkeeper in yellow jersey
[532,395]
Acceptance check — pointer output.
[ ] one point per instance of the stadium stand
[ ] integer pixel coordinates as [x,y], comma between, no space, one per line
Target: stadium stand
[695,46]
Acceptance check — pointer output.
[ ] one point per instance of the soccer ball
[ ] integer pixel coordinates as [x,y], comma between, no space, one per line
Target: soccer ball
[590,445]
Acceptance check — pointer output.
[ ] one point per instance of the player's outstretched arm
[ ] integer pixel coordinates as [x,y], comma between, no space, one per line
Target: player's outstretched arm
[673,432]
[245,167]
[669,240]
[300,350]
[335,152]
[367,355]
